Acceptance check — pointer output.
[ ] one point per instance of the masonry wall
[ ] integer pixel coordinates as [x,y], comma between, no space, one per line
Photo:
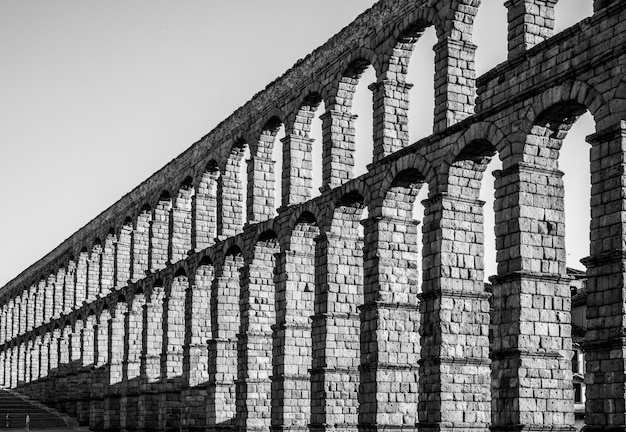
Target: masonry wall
[191,305]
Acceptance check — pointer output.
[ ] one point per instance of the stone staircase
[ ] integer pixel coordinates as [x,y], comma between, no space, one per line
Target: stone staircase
[41,417]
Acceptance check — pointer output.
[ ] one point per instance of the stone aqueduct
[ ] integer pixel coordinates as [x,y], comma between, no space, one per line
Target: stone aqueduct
[174,309]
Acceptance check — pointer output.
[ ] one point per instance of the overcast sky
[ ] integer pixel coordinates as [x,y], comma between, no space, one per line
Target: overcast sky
[96,96]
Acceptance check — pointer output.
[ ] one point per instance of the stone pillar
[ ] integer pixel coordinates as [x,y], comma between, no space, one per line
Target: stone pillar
[455,82]
[123,259]
[21,364]
[390,348]
[53,353]
[454,378]
[69,288]
[75,345]
[14,366]
[3,359]
[181,224]
[23,313]
[336,329]
[605,347]
[297,175]
[30,313]
[141,246]
[107,267]
[40,317]
[204,210]
[254,388]
[531,347]
[24,307]
[115,359]
[291,386]
[35,355]
[44,355]
[153,340]
[93,272]
[391,116]
[160,235]
[195,350]
[88,341]
[133,335]
[59,284]
[64,347]
[338,147]
[82,274]
[100,373]
[3,324]
[261,187]
[49,298]
[223,345]
[174,328]
[530,22]
[230,214]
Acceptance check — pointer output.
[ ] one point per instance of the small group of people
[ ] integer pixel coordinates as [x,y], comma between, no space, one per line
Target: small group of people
[7,421]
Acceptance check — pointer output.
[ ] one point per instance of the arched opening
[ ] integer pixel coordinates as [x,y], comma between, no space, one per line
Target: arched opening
[359,100]
[265,173]
[491,35]
[205,208]
[233,191]
[417,46]
[181,222]
[302,152]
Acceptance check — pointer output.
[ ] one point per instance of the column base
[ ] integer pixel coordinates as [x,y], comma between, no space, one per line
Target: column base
[447,427]
[532,428]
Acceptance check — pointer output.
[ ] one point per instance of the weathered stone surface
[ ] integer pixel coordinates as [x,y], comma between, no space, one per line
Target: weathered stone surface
[189,305]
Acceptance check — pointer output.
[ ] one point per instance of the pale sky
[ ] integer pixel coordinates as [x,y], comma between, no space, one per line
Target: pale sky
[96,96]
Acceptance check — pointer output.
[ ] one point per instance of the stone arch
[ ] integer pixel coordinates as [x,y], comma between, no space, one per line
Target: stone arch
[561,103]
[308,214]
[411,161]
[396,50]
